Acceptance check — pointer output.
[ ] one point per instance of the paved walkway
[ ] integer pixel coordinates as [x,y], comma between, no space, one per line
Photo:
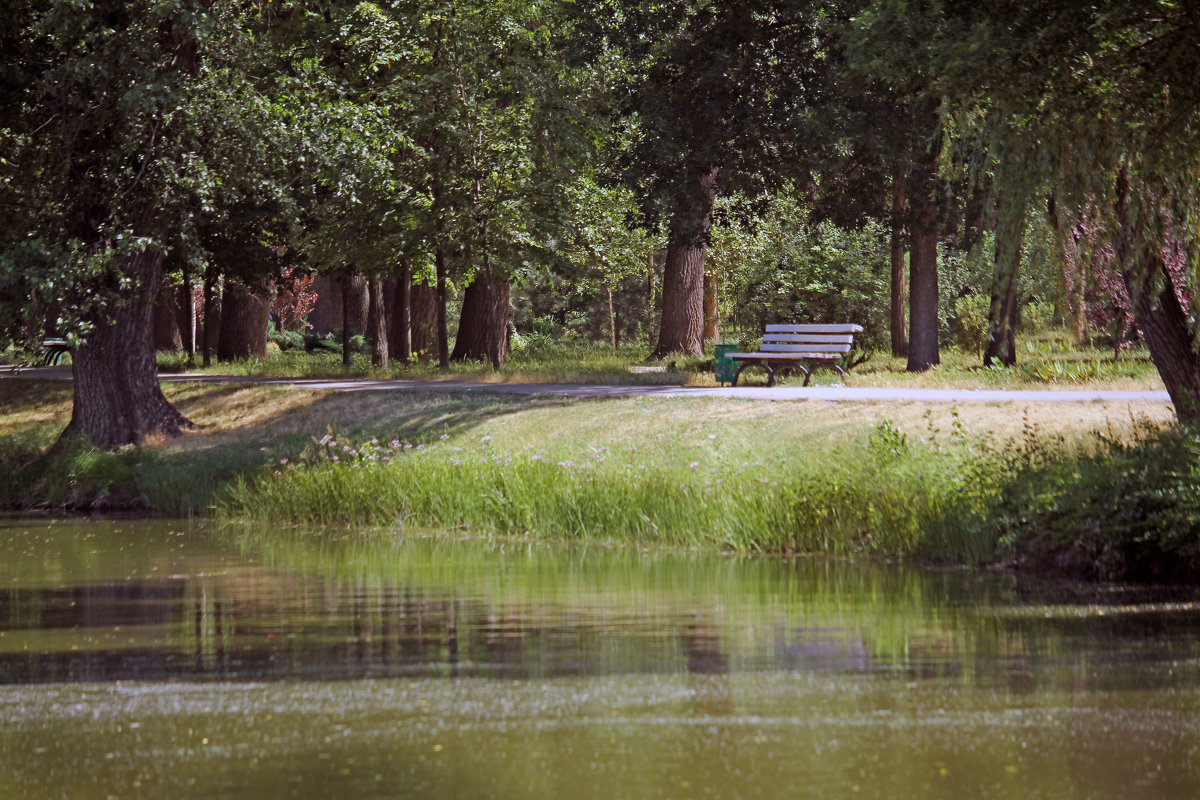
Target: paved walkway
[828,393]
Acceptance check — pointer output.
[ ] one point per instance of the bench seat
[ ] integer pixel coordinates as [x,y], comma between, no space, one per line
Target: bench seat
[802,347]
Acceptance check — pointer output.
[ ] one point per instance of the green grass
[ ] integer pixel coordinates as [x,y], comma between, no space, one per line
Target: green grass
[958,485]
[1046,362]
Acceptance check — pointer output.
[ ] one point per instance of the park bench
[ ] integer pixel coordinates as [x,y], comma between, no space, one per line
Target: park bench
[53,350]
[799,347]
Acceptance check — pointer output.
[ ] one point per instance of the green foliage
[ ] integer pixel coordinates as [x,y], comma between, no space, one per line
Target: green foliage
[971,321]
[822,273]
[1119,510]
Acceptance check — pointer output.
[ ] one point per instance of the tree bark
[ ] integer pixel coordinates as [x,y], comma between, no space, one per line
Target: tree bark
[400,316]
[479,326]
[245,312]
[118,400]
[424,320]
[167,335]
[1170,339]
[212,314]
[899,286]
[923,350]
[682,327]
[443,333]
[378,324]
[186,310]
[356,302]
[711,332]
[326,316]
[1001,344]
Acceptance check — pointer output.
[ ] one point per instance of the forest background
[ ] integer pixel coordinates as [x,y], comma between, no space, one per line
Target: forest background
[203,176]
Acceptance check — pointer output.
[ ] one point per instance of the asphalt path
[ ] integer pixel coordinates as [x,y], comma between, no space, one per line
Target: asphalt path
[866,394]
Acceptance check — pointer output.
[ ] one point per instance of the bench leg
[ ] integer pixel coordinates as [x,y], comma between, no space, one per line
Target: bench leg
[828,365]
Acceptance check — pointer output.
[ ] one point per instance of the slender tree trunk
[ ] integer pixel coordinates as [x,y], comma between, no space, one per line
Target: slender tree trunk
[682,327]
[1001,342]
[711,333]
[899,286]
[400,319]
[187,316]
[424,320]
[443,331]
[1074,286]
[923,277]
[212,314]
[479,326]
[117,396]
[378,326]
[612,322]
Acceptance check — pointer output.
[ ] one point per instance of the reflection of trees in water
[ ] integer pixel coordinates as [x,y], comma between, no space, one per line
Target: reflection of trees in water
[255,624]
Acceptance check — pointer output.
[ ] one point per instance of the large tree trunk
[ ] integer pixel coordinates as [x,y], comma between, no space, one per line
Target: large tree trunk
[1001,342]
[326,316]
[400,313]
[1169,337]
[117,396]
[899,286]
[682,327]
[378,324]
[923,277]
[475,335]
[244,316]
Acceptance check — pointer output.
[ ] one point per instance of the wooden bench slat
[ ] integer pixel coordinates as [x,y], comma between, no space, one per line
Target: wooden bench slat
[769,347]
[814,328]
[820,338]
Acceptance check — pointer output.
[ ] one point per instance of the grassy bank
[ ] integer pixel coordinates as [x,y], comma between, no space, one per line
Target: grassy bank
[1086,488]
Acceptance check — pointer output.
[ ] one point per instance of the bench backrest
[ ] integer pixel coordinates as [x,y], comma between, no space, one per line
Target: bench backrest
[809,338]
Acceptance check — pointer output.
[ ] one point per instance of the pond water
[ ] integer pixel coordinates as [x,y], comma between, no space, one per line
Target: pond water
[173,659]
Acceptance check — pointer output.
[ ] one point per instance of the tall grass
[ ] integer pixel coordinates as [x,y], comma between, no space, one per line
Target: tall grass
[876,497]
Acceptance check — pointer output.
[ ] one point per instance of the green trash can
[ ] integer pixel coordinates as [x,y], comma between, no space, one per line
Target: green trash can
[726,368]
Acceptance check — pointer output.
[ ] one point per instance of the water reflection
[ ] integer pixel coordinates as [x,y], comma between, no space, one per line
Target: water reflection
[170,660]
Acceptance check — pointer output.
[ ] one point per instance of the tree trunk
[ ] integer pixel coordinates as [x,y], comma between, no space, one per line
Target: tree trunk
[899,287]
[378,325]
[612,323]
[1001,342]
[244,316]
[476,328]
[186,314]
[923,278]
[326,316]
[167,335]
[424,320]
[400,316]
[682,327]
[1169,337]
[212,314]
[711,333]
[443,333]
[356,303]
[118,400]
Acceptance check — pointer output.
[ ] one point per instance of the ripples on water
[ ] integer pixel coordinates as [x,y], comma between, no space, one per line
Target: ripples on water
[140,659]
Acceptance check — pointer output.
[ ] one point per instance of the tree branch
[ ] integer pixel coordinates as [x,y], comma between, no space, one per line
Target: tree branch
[1193,13]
